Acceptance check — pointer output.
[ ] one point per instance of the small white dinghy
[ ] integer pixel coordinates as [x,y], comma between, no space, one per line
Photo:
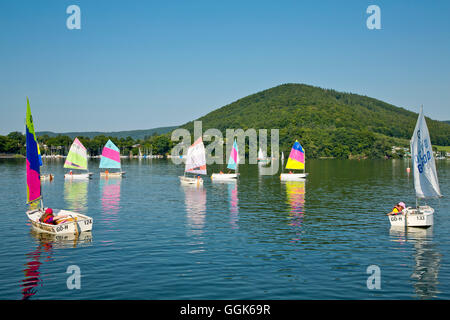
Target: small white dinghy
[195,164]
[110,159]
[426,181]
[72,222]
[232,165]
[77,159]
[296,161]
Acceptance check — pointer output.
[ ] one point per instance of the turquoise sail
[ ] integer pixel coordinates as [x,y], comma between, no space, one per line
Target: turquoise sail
[232,162]
[110,156]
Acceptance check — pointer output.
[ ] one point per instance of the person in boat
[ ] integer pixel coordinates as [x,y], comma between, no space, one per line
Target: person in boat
[49,218]
[106,171]
[70,172]
[397,209]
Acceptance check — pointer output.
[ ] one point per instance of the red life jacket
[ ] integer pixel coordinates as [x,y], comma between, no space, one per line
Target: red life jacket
[48,219]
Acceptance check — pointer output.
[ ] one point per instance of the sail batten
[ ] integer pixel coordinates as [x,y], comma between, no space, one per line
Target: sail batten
[77,157]
[426,181]
[110,156]
[33,161]
[196,158]
[296,158]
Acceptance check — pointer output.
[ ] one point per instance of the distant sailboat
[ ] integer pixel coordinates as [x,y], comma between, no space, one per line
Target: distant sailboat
[262,159]
[233,162]
[426,181]
[71,222]
[77,159]
[296,161]
[110,160]
[195,163]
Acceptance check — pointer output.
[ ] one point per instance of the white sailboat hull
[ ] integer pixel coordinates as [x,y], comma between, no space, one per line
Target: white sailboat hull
[293,176]
[112,174]
[414,217]
[191,181]
[80,223]
[78,176]
[224,176]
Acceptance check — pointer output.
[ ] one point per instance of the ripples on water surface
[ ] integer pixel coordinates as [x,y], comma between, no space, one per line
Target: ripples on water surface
[258,238]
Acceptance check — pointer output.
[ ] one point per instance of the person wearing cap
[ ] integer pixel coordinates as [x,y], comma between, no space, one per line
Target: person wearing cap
[397,209]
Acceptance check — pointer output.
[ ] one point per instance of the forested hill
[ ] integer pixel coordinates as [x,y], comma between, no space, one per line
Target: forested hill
[135,134]
[328,123]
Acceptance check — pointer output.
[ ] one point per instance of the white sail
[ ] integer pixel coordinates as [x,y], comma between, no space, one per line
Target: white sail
[425,177]
[196,158]
[260,154]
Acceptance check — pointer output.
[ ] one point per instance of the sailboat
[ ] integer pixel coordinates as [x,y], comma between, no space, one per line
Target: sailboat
[426,181]
[110,160]
[296,161]
[77,159]
[262,159]
[74,222]
[232,165]
[195,164]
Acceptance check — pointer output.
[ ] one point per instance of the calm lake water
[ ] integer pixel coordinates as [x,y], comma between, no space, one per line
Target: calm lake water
[258,238]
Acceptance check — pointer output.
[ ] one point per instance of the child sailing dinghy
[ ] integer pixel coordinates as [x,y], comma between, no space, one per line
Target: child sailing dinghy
[110,159]
[195,164]
[77,159]
[426,181]
[232,165]
[73,222]
[296,161]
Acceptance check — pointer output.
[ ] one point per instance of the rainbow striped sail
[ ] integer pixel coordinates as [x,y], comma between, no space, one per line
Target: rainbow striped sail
[234,157]
[296,158]
[77,157]
[110,156]
[34,160]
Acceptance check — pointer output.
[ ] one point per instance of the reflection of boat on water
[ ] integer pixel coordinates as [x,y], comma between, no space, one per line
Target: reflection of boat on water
[62,241]
[46,244]
[427,259]
[195,201]
[110,190]
[75,194]
[295,191]
[234,204]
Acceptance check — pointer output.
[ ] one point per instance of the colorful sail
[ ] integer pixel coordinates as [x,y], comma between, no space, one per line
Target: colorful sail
[296,158]
[425,177]
[110,156]
[196,158]
[34,160]
[77,157]
[234,157]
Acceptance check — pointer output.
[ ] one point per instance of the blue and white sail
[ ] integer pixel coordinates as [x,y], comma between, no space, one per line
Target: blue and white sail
[426,181]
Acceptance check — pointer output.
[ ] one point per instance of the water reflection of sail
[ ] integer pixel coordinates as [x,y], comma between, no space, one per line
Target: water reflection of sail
[427,260]
[110,189]
[234,205]
[295,191]
[46,244]
[75,194]
[32,274]
[195,201]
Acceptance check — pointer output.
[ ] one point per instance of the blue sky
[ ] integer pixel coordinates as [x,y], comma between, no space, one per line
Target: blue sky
[146,64]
